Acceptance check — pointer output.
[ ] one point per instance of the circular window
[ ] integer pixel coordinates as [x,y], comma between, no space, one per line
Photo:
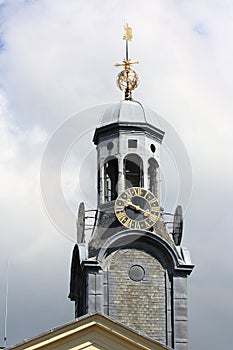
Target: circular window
[110,146]
[136,273]
[153,148]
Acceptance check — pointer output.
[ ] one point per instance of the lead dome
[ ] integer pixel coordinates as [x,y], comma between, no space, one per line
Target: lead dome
[128,112]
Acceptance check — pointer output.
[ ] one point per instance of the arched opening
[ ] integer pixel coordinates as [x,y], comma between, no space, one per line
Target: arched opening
[153,176]
[110,179]
[133,171]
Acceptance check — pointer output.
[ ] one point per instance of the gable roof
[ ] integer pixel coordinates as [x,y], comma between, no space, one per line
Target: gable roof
[91,332]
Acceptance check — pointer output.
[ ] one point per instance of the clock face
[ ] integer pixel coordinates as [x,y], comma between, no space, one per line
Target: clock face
[137,208]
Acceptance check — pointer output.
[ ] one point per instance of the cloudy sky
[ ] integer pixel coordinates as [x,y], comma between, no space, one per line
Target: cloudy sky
[56,61]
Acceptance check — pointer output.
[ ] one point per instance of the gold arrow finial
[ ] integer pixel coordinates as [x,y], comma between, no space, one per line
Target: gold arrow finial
[127,80]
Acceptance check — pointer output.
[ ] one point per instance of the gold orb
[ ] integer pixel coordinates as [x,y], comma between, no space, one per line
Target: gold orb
[127,80]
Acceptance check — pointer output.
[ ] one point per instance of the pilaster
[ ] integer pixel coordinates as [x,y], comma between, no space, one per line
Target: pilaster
[94,286]
[180,312]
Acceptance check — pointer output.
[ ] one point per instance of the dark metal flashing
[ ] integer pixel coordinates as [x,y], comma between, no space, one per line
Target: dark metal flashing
[128,126]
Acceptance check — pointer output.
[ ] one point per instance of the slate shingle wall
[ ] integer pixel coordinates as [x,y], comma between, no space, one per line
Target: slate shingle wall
[138,304]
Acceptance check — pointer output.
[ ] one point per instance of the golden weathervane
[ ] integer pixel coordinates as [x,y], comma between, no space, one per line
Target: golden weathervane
[127,80]
[128,35]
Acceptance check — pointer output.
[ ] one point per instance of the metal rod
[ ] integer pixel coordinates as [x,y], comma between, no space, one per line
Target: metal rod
[126,47]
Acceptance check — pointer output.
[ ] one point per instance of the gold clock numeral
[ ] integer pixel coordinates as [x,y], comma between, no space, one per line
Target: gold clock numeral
[143,193]
[155,210]
[128,222]
[121,215]
[153,217]
[137,225]
[127,192]
[124,221]
[119,208]
[137,191]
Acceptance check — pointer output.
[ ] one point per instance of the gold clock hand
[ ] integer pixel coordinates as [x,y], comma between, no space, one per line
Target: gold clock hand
[130,204]
[138,208]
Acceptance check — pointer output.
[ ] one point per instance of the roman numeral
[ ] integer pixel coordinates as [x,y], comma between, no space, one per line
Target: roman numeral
[153,202]
[128,222]
[155,210]
[119,208]
[137,191]
[137,225]
[129,193]
[153,217]
[142,193]
[121,215]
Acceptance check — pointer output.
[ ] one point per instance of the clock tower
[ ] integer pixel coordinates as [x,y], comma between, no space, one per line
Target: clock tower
[131,268]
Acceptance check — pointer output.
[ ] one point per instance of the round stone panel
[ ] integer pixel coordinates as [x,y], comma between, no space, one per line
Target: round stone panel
[136,273]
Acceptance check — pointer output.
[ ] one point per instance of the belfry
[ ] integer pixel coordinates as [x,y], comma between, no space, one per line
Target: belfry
[130,268]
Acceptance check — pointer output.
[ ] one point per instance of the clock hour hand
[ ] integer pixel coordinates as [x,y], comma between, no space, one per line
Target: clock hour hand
[130,204]
[137,208]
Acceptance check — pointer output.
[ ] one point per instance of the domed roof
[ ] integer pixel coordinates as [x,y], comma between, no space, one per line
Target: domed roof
[130,112]
[130,115]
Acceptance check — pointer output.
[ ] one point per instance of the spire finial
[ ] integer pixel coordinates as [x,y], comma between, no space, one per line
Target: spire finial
[127,80]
